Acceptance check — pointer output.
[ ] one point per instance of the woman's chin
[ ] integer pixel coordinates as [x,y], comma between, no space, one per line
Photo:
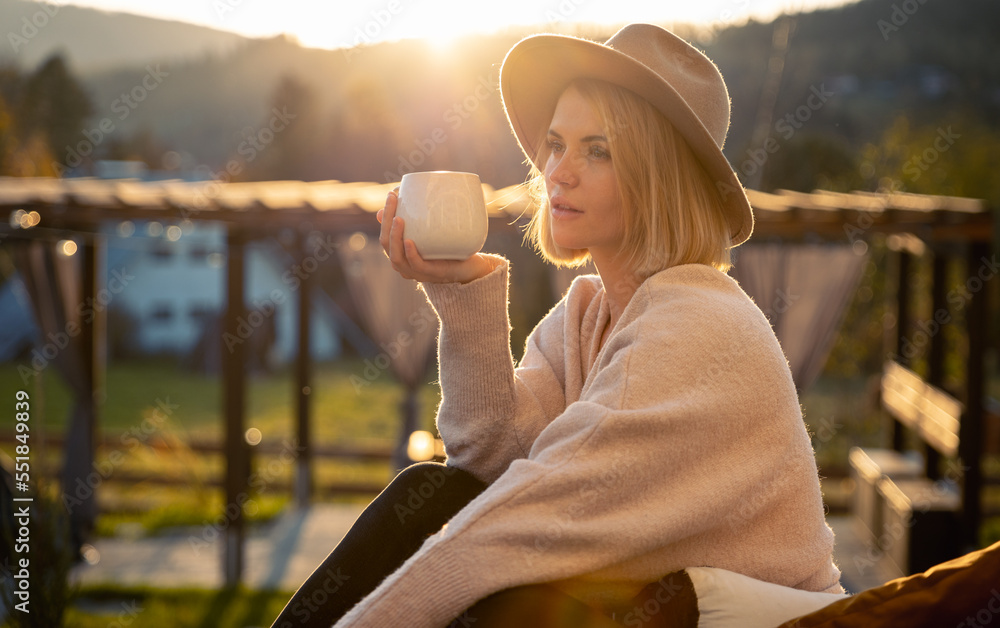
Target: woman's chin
[568,244]
[566,240]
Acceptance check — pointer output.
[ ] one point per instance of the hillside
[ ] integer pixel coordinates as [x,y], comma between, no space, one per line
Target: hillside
[95,40]
[376,112]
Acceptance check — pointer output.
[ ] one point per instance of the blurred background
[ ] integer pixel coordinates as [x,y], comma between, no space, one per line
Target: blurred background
[874,96]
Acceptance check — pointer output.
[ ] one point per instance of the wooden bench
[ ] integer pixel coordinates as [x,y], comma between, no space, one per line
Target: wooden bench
[906,506]
[867,467]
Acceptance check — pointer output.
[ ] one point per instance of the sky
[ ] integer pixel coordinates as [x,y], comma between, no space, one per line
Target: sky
[341,23]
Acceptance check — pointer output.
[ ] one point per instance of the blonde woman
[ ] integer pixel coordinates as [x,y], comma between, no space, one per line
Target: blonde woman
[652,424]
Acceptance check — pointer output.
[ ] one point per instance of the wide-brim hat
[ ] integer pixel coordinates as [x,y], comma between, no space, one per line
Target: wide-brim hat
[668,72]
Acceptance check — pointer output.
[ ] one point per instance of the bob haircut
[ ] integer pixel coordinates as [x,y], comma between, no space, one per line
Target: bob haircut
[671,211]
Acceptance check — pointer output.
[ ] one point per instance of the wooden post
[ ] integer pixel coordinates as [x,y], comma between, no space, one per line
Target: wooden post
[93,349]
[936,355]
[234,385]
[902,326]
[970,446]
[935,358]
[303,364]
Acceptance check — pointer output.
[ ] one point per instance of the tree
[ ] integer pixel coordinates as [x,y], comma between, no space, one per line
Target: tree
[22,153]
[366,143]
[955,157]
[53,105]
[285,145]
[809,162]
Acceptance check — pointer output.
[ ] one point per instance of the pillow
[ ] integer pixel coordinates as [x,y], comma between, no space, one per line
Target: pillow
[731,600]
[961,592]
[709,597]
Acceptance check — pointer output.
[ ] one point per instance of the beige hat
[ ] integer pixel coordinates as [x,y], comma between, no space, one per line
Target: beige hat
[671,74]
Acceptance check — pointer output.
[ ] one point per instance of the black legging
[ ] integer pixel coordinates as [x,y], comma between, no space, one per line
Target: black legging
[415,505]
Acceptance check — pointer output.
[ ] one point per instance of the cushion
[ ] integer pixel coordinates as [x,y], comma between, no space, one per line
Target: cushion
[732,600]
[709,597]
[961,592]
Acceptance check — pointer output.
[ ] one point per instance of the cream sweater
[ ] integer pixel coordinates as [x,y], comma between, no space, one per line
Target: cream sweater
[680,443]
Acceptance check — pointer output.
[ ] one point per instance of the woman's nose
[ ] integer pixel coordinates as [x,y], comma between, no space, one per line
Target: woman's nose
[563,171]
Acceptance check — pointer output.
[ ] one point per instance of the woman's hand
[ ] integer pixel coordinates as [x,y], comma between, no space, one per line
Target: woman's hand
[408,263]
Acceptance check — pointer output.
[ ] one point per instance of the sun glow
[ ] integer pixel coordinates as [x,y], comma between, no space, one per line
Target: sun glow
[444,41]
[442,22]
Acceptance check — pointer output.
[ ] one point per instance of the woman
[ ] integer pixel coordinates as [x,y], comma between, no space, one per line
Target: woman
[652,424]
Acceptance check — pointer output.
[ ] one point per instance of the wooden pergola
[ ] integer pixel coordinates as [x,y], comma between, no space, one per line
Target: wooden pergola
[58,208]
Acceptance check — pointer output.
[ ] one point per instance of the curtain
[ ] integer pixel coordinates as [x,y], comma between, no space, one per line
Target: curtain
[803,289]
[397,316]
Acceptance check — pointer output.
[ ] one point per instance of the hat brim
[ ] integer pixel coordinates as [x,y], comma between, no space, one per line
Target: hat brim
[538,69]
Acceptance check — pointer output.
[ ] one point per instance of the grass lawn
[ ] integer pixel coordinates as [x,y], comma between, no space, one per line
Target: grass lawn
[154,409]
[175,608]
[192,401]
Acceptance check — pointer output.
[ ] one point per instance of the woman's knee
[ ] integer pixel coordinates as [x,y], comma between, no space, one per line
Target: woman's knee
[430,478]
[431,483]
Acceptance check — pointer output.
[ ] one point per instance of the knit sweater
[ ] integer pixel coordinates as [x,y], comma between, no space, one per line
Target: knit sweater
[680,443]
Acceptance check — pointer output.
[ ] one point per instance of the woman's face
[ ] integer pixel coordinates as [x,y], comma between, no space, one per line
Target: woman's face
[580,180]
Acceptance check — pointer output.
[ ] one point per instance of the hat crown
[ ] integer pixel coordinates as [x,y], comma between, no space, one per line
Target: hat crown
[684,68]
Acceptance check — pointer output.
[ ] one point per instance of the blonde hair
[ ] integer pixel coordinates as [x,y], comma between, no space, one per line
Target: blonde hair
[671,211]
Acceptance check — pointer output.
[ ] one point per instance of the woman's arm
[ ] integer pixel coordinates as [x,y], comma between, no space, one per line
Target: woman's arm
[491,412]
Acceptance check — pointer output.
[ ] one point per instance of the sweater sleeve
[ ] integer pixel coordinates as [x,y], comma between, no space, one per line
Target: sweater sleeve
[490,412]
[517,532]
[626,484]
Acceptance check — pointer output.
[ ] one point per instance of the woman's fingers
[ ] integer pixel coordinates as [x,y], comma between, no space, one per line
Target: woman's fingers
[445,271]
[427,270]
[385,217]
[397,254]
[406,259]
[414,262]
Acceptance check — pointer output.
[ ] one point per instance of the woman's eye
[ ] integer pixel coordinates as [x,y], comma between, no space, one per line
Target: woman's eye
[554,146]
[599,152]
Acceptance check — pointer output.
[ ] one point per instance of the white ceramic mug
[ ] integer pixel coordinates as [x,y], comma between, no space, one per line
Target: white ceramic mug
[444,213]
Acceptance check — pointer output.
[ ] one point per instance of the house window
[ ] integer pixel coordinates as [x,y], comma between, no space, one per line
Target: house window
[161,251]
[200,312]
[162,313]
[199,253]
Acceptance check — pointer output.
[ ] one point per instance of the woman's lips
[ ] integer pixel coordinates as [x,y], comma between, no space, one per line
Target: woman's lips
[562,209]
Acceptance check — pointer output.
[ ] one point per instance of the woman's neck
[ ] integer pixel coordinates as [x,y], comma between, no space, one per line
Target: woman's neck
[620,284]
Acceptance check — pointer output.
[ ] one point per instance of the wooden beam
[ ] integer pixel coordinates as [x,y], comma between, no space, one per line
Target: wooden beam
[347,207]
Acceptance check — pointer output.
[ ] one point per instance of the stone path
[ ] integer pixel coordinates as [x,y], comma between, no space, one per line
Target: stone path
[279,555]
[282,554]
[858,562]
